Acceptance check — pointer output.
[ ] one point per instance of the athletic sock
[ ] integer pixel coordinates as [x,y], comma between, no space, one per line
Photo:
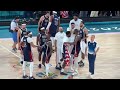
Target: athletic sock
[21,58]
[31,69]
[47,68]
[24,68]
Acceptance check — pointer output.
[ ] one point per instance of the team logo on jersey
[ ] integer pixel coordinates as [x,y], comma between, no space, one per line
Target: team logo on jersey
[80,31]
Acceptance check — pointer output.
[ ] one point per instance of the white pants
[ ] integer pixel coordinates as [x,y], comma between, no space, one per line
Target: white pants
[53,41]
[59,54]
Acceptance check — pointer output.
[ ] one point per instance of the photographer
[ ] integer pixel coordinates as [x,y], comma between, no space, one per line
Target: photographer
[14,29]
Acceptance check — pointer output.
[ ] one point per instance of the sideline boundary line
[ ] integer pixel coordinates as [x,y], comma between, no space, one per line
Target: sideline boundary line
[9,51]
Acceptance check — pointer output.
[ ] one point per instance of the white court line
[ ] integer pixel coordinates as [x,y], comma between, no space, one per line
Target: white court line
[9,51]
[14,53]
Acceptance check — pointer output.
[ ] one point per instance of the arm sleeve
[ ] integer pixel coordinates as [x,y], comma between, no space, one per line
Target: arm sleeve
[13,25]
[29,40]
[97,46]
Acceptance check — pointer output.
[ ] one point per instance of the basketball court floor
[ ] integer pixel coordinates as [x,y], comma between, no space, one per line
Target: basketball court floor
[107,64]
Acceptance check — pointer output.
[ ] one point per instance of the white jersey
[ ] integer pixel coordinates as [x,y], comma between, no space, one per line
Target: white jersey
[65,39]
[59,37]
[77,23]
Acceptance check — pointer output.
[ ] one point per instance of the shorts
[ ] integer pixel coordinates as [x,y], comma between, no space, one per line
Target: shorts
[14,36]
[40,50]
[44,58]
[28,57]
[83,45]
[77,50]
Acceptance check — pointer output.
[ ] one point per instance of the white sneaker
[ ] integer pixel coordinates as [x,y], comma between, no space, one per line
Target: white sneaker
[92,76]
[75,73]
[89,73]
[50,65]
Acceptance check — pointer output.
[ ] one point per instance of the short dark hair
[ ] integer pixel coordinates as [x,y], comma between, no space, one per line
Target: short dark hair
[47,12]
[17,17]
[72,23]
[76,30]
[23,23]
[75,14]
[68,32]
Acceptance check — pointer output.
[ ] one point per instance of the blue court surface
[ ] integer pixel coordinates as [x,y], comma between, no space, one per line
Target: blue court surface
[93,27]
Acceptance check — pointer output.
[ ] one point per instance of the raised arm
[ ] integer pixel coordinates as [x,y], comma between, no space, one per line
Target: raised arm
[50,22]
[40,21]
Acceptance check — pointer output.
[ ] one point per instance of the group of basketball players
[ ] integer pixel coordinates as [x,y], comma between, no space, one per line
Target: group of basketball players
[70,47]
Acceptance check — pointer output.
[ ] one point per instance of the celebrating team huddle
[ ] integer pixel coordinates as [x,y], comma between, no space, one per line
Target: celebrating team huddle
[71,47]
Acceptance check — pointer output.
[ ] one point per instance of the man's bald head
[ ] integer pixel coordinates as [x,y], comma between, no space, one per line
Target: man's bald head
[92,37]
[60,29]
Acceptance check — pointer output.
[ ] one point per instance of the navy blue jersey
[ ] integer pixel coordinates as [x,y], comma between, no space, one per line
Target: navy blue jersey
[27,50]
[45,22]
[42,38]
[23,32]
[47,48]
[82,34]
[54,26]
[77,48]
[91,47]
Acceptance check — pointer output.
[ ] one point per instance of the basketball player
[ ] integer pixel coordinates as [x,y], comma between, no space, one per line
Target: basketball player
[58,44]
[44,20]
[75,20]
[40,41]
[92,48]
[84,35]
[52,28]
[27,43]
[47,54]
[72,32]
[21,33]
[71,46]
[72,28]
[75,52]
[65,52]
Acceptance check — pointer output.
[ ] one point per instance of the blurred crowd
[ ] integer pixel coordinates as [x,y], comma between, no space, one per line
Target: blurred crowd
[68,14]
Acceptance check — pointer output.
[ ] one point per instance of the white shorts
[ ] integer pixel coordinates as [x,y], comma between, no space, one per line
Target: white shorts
[83,45]
[53,40]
